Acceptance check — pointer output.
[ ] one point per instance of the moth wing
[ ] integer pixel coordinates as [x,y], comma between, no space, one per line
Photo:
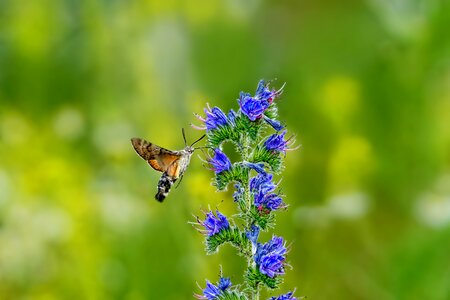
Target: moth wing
[165,161]
[158,157]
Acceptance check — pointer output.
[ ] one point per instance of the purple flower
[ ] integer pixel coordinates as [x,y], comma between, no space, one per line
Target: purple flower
[270,257]
[254,107]
[276,143]
[273,201]
[288,296]
[214,223]
[238,194]
[258,167]
[264,93]
[224,283]
[220,161]
[269,201]
[215,117]
[262,182]
[253,234]
[274,123]
[232,117]
[212,292]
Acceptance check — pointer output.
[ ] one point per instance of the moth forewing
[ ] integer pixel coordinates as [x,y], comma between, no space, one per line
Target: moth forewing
[172,164]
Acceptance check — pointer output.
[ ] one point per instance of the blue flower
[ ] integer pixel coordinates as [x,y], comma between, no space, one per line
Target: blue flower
[274,123]
[288,296]
[253,234]
[239,193]
[224,283]
[253,108]
[215,118]
[264,93]
[212,292]
[232,117]
[270,257]
[269,201]
[276,143]
[273,201]
[214,223]
[258,167]
[220,162]
[262,182]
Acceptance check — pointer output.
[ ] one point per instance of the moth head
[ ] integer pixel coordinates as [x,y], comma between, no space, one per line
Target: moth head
[191,148]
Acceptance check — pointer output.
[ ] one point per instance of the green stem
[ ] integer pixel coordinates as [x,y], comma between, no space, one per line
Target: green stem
[254,291]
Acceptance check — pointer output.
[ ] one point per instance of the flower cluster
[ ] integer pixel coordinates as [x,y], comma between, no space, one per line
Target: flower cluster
[288,296]
[270,257]
[261,156]
[214,224]
[220,162]
[212,291]
[255,107]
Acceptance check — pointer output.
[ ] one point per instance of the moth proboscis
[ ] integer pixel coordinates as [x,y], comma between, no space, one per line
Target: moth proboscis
[172,164]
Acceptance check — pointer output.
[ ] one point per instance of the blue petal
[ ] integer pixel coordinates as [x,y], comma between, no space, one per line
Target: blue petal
[274,123]
[220,161]
[253,234]
[211,291]
[258,167]
[224,283]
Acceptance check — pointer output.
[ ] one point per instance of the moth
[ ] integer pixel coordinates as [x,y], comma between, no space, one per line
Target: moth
[172,164]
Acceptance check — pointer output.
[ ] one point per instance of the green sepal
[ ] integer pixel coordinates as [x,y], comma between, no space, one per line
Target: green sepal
[231,295]
[222,133]
[244,124]
[272,111]
[237,172]
[255,277]
[242,205]
[272,158]
[230,235]
[234,132]
[261,217]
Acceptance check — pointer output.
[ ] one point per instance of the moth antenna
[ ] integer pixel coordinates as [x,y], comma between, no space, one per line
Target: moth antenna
[203,147]
[198,140]
[184,137]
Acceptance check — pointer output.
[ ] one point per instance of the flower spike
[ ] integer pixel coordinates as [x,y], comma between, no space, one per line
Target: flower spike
[260,143]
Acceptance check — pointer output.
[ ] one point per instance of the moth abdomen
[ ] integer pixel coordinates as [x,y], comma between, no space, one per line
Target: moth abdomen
[164,185]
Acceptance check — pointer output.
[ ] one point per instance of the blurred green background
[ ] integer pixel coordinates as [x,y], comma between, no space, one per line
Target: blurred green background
[367,93]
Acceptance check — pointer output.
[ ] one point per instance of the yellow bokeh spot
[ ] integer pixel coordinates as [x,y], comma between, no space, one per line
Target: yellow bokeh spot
[15,129]
[351,162]
[201,11]
[34,28]
[340,97]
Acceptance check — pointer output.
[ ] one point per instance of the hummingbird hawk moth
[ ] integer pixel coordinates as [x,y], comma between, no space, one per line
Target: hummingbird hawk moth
[172,164]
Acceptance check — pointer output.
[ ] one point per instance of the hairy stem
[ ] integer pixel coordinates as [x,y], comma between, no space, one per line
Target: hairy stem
[254,291]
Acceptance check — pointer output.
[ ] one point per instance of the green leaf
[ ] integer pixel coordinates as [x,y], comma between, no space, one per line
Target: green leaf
[255,277]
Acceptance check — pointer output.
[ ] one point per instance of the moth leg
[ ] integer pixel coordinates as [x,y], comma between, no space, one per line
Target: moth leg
[164,185]
[181,178]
